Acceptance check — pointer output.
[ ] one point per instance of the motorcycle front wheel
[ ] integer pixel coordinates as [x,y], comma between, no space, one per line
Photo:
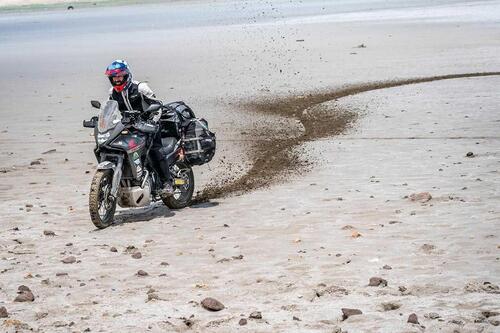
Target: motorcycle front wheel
[183,193]
[101,205]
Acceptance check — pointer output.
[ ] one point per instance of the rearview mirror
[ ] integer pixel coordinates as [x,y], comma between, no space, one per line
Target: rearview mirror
[96,104]
[153,108]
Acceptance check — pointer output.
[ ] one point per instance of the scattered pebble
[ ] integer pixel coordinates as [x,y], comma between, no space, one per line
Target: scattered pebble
[421,197]
[255,315]
[390,306]
[432,315]
[242,322]
[113,249]
[25,294]
[142,273]
[153,296]
[69,260]
[413,319]
[23,288]
[3,312]
[49,233]
[427,248]
[212,304]
[130,249]
[346,313]
[377,281]
[188,322]
[137,255]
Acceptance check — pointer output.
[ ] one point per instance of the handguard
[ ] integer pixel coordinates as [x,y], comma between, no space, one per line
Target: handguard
[146,127]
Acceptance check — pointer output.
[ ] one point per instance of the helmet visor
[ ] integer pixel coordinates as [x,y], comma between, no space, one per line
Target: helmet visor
[118,80]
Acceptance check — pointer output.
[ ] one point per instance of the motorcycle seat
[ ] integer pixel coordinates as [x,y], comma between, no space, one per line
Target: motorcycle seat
[168,144]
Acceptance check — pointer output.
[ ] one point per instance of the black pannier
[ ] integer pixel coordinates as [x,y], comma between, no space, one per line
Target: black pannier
[182,109]
[170,125]
[174,116]
[179,120]
[199,142]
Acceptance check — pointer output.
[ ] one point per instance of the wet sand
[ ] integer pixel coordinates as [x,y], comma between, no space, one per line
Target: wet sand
[297,244]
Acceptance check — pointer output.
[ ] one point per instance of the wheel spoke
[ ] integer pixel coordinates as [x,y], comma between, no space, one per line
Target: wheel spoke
[182,190]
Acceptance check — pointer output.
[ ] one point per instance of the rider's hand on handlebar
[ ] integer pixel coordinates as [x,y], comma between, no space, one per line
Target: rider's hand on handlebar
[132,113]
[155,116]
[130,116]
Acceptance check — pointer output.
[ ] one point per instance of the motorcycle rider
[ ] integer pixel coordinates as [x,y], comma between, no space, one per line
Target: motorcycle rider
[134,95]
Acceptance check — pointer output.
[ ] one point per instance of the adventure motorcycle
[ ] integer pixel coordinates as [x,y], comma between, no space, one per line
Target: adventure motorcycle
[125,173]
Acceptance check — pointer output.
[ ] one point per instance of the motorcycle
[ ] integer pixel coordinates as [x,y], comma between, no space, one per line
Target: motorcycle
[125,173]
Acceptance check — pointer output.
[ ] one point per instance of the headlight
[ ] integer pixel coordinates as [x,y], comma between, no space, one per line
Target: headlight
[120,143]
[101,138]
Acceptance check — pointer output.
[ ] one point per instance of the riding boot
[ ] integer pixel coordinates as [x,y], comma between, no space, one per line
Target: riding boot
[164,171]
[167,188]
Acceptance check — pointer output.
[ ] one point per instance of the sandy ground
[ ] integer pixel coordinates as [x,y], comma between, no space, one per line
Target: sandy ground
[298,251]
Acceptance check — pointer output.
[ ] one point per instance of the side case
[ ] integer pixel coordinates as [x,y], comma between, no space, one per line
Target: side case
[174,117]
[199,142]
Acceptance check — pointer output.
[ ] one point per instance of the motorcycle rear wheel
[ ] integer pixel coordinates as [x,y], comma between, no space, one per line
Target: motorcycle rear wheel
[101,205]
[182,193]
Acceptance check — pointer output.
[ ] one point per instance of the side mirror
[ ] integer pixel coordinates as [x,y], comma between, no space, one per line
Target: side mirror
[153,108]
[96,104]
[90,123]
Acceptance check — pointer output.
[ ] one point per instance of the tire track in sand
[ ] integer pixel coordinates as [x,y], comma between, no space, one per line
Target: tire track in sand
[276,157]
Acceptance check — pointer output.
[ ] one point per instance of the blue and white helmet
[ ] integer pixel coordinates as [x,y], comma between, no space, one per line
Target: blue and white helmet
[119,68]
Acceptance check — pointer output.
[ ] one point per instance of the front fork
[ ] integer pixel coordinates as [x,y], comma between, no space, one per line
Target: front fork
[117,173]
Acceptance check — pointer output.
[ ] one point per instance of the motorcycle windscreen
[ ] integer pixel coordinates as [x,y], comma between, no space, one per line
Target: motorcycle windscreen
[109,116]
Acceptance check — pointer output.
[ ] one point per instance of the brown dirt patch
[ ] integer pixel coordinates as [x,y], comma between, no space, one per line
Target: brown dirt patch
[276,157]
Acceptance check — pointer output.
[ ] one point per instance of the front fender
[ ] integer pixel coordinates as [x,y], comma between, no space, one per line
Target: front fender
[106,165]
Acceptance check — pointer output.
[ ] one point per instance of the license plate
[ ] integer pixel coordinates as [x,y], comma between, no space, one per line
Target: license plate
[179,181]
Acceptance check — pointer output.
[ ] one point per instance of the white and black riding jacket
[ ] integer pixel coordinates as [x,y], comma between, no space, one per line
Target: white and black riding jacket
[138,96]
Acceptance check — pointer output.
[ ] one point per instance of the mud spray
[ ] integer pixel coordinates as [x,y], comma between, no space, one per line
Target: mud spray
[273,159]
